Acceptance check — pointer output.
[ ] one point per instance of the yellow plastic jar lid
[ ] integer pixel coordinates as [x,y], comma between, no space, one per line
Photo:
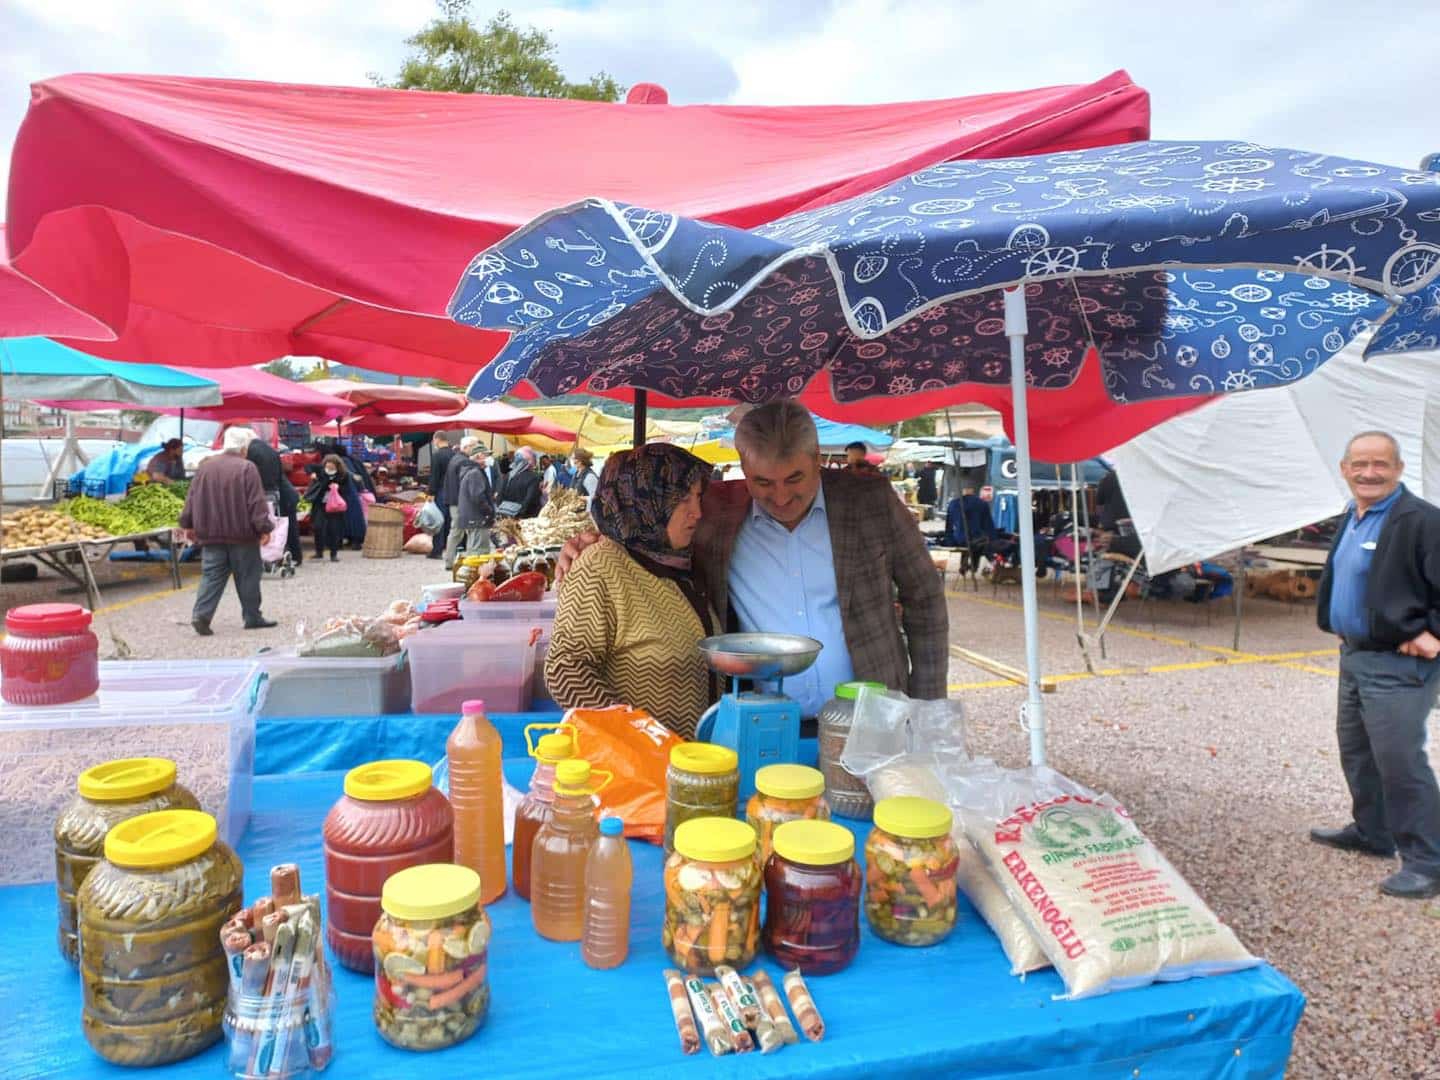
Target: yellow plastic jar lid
[703,758]
[715,839]
[913,817]
[789,781]
[126,778]
[557,746]
[382,781]
[163,838]
[814,843]
[432,891]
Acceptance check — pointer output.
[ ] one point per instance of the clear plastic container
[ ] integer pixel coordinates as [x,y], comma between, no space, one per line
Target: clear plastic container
[910,865]
[702,780]
[476,790]
[303,686]
[199,713]
[557,856]
[460,660]
[535,808]
[812,897]
[152,972]
[390,818]
[845,791]
[107,795]
[712,896]
[535,612]
[605,936]
[49,655]
[784,793]
[431,958]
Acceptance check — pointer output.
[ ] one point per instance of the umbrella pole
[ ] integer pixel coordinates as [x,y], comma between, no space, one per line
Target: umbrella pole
[641,408]
[1032,714]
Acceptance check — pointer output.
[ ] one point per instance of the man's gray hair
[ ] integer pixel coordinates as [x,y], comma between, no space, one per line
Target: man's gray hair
[776,431]
[468,445]
[1394,443]
[237,440]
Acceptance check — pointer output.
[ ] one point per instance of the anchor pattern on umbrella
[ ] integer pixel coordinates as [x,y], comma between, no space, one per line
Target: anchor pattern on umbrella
[1192,268]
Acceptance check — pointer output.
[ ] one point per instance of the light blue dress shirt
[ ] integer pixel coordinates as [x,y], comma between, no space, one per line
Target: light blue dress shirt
[1351,571]
[783,581]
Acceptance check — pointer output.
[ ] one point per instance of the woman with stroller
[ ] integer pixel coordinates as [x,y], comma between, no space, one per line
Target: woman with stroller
[329,525]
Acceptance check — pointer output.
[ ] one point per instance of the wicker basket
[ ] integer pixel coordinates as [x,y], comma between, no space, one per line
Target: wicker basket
[384,532]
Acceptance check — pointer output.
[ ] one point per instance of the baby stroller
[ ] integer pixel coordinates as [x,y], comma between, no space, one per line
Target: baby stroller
[274,556]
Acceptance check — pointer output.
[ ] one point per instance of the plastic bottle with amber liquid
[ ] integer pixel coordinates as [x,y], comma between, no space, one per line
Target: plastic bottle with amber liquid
[477,796]
[605,935]
[557,857]
[535,808]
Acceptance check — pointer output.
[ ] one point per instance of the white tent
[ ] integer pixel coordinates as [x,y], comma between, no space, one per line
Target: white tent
[1254,465]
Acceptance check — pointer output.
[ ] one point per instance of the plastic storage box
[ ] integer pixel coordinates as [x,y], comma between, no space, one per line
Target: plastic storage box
[200,714]
[455,661]
[303,686]
[536,611]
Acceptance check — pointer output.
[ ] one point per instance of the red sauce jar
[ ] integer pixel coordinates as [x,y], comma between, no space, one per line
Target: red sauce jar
[49,655]
[390,818]
[812,897]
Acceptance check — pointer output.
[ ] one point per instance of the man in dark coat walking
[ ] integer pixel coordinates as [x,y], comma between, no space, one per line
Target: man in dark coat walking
[440,455]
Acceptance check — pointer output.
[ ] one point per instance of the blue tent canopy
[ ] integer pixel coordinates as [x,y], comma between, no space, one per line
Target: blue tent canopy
[833,436]
[36,368]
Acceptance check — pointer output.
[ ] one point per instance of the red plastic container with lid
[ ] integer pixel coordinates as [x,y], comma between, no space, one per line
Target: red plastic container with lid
[49,655]
[390,818]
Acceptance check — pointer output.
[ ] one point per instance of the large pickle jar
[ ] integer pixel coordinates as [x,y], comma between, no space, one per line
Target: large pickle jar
[812,897]
[152,971]
[432,947]
[846,792]
[910,864]
[784,793]
[108,794]
[712,896]
[390,818]
[702,780]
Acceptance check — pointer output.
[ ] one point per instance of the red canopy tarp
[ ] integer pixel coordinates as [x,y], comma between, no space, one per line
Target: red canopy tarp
[233,222]
[492,416]
[27,310]
[251,393]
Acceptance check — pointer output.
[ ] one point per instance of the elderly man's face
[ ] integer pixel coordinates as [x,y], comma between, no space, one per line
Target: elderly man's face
[784,488]
[1372,469]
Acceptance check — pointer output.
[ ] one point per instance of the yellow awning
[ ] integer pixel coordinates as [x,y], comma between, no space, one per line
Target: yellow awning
[599,432]
[715,452]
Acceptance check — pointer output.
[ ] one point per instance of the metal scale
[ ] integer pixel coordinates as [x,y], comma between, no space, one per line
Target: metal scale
[763,728]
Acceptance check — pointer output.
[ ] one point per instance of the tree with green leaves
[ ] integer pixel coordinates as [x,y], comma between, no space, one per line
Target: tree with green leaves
[285,368]
[453,54]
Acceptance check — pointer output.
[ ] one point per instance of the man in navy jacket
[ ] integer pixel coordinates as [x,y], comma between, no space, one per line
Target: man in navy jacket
[1380,594]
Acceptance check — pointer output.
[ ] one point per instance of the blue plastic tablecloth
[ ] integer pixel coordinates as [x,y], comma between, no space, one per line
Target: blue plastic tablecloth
[949,1010]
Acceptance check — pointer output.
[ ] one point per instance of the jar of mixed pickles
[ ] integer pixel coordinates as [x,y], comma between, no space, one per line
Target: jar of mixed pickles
[812,897]
[108,794]
[712,895]
[910,864]
[49,655]
[152,972]
[703,780]
[784,793]
[847,792]
[432,944]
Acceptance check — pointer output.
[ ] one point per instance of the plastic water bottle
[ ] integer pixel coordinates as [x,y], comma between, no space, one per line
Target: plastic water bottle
[608,876]
[559,853]
[478,798]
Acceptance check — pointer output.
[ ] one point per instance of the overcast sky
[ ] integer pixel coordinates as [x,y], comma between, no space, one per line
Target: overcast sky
[1340,77]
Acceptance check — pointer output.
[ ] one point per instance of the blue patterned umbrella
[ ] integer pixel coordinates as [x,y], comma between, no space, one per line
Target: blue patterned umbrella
[1186,268]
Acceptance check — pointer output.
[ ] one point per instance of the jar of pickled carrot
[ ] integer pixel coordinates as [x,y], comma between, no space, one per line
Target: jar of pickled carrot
[712,896]
[49,656]
[784,793]
[390,818]
[910,864]
[812,897]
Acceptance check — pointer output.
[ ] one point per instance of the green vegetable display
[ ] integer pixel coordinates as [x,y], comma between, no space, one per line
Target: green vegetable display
[108,516]
[154,505]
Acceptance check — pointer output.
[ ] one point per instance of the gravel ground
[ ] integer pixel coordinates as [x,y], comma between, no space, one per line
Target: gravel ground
[1225,759]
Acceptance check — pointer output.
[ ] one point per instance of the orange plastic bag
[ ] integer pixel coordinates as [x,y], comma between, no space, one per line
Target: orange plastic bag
[636,748]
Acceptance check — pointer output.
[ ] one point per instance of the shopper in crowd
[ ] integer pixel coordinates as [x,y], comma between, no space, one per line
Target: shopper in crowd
[1380,593]
[329,526]
[460,464]
[585,480]
[440,455]
[168,463]
[279,491]
[520,496]
[226,514]
[856,461]
[476,512]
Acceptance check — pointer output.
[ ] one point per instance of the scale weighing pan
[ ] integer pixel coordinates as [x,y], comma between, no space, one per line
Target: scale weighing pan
[759,656]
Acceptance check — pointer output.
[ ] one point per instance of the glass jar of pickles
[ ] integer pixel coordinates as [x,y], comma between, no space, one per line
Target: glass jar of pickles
[153,974]
[845,791]
[910,864]
[812,897]
[108,794]
[702,780]
[784,793]
[712,896]
[432,946]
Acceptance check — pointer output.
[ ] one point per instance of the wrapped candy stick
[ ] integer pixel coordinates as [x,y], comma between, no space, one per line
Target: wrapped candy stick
[766,1033]
[740,1039]
[277,988]
[716,1038]
[774,1008]
[285,884]
[235,942]
[806,1014]
[680,1006]
[743,1001]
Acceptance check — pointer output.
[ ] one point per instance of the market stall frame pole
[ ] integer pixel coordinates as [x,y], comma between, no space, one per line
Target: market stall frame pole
[640,409]
[1032,713]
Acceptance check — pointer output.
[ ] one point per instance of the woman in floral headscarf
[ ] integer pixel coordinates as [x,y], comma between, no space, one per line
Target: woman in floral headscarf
[630,612]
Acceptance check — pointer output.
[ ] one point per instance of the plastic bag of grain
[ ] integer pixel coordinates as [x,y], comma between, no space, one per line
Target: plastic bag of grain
[912,774]
[1107,907]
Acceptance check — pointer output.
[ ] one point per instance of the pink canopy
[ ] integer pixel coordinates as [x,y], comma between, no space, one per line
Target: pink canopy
[27,310]
[233,222]
[492,416]
[251,393]
[383,399]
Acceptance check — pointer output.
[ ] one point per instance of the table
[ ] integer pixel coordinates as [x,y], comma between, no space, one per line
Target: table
[950,1010]
[52,556]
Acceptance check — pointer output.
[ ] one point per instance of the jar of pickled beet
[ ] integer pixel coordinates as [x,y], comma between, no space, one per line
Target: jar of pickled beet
[49,656]
[784,793]
[390,818]
[812,897]
[712,896]
[910,865]
[702,780]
